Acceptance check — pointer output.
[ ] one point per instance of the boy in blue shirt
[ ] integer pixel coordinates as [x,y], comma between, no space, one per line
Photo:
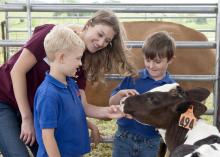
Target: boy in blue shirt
[59,116]
[133,139]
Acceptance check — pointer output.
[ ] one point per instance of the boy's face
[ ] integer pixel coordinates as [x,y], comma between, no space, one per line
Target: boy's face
[72,61]
[157,67]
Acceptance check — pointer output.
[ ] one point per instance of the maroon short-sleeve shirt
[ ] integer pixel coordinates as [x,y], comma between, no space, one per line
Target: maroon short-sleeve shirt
[36,75]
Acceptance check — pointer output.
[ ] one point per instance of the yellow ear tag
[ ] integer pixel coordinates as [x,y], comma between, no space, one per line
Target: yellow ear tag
[187,119]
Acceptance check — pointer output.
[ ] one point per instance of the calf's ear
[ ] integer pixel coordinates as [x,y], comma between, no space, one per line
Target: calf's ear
[198,108]
[198,94]
[182,107]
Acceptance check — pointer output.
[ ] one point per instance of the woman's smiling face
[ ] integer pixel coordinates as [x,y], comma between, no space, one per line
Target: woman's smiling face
[98,37]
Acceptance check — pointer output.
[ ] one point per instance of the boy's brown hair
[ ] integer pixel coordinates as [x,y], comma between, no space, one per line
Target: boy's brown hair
[159,44]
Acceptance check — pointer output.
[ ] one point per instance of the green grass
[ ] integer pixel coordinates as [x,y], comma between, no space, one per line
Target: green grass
[209,105]
[106,128]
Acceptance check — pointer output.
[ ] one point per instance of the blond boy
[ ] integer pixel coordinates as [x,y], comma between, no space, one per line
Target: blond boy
[59,116]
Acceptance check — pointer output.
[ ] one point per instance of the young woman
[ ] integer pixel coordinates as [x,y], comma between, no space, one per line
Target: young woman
[23,72]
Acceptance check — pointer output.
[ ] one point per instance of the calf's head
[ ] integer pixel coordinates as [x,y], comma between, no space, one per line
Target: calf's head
[160,108]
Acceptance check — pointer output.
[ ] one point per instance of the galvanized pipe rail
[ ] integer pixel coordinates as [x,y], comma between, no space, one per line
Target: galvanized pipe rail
[176,77]
[129,44]
[139,44]
[120,17]
[179,44]
[122,8]
[22,30]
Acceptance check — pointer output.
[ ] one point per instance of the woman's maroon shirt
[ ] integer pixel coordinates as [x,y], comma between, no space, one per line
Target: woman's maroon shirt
[36,75]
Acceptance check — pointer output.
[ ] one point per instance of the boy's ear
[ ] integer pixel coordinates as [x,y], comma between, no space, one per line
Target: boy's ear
[60,57]
[171,60]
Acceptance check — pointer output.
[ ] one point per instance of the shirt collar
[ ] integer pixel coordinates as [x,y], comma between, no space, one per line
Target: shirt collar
[54,81]
[144,74]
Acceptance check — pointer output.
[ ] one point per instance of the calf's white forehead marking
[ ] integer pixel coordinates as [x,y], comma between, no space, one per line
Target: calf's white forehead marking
[122,103]
[162,132]
[165,88]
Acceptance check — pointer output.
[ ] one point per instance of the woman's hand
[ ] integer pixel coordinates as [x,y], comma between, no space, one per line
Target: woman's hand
[27,131]
[95,137]
[114,112]
[23,65]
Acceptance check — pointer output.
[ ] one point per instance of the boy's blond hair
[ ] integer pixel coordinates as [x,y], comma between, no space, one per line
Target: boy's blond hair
[61,39]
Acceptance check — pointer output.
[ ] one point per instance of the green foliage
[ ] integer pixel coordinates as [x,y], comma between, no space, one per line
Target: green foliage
[201,21]
[3,1]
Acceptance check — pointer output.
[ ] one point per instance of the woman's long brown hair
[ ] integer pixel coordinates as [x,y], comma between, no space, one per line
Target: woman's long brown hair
[114,57]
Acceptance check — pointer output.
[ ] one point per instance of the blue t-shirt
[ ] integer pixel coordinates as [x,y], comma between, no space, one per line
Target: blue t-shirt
[142,84]
[59,106]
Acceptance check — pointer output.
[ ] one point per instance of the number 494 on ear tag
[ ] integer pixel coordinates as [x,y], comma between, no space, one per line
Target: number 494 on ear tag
[187,119]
